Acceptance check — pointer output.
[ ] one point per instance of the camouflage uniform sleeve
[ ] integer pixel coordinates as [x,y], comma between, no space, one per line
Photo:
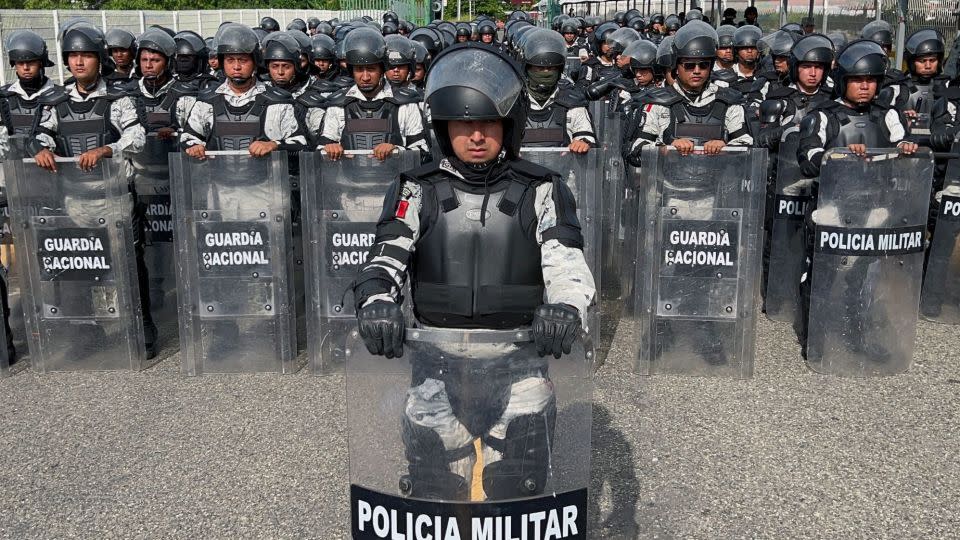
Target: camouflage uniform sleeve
[653,123]
[332,126]
[198,126]
[579,125]
[383,275]
[281,126]
[565,273]
[737,128]
[129,123]
[410,121]
[897,126]
[4,143]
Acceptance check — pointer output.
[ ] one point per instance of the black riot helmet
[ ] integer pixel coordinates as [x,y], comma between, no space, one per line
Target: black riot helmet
[746,36]
[666,58]
[519,16]
[269,24]
[303,41]
[672,23]
[400,52]
[488,28]
[725,34]
[924,42]
[657,18]
[543,47]
[390,16]
[696,39]
[261,33]
[429,38]
[297,25]
[463,30]
[570,26]
[816,48]
[189,43]
[642,55]
[839,40]
[453,92]
[389,29]
[592,21]
[117,38]
[322,47]
[637,23]
[83,38]
[364,46]
[778,44]
[620,38]
[281,46]
[233,38]
[862,57]
[693,15]
[880,32]
[793,28]
[158,41]
[620,18]
[601,32]
[557,22]
[420,54]
[313,23]
[25,46]
[325,28]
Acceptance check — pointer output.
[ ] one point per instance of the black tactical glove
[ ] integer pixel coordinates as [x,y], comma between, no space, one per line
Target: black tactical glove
[555,327]
[382,328]
[942,139]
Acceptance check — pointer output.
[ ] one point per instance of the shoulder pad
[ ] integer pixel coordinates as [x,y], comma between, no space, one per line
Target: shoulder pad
[893,76]
[531,171]
[728,76]
[53,96]
[208,93]
[5,90]
[185,88]
[405,96]
[572,97]
[884,98]
[277,95]
[312,99]
[422,172]
[780,92]
[338,98]
[126,89]
[665,96]
[949,92]
[729,96]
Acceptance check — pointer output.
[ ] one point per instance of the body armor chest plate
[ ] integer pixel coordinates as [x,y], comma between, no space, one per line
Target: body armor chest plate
[861,128]
[369,123]
[477,275]
[152,160]
[546,127]
[83,126]
[921,97]
[700,124]
[22,114]
[235,128]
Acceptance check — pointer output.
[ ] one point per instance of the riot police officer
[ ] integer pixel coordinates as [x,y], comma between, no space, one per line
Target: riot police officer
[281,54]
[519,263]
[778,46]
[856,120]
[603,63]
[745,46]
[190,62]
[401,61]
[487,30]
[694,110]
[421,62]
[122,47]
[242,113]
[725,55]
[327,77]
[570,30]
[558,113]
[27,54]
[372,114]
[923,53]
[91,121]
[269,24]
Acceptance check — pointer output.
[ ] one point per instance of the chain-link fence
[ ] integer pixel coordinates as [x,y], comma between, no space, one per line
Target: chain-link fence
[46,22]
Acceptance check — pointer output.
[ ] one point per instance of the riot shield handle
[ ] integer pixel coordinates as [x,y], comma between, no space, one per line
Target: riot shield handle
[227,153]
[458,335]
[394,152]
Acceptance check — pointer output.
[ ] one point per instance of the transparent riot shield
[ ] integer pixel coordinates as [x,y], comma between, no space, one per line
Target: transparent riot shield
[940,298]
[13,328]
[581,172]
[698,252]
[786,239]
[232,231]
[471,432]
[152,184]
[343,201]
[74,231]
[571,67]
[867,268]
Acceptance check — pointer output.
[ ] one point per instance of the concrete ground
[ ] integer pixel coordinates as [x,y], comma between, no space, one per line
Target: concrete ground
[786,454]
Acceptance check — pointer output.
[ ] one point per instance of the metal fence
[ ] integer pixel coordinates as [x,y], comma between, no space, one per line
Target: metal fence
[46,22]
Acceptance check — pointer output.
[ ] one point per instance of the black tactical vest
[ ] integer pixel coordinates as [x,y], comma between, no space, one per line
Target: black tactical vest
[921,96]
[468,275]
[160,111]
[700,124]
[369,123]
[83,126]
[861,127]
[546,127]
[235,128]
[18,114]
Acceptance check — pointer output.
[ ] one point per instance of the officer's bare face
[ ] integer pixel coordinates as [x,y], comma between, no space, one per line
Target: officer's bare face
[926,65]
[725,54]
[643,76]
[152,64]
[213,62]
[476,141]
[860,89]
[367,77]
[84,66]
[28,69]
[122,57]
[398,74]
[748,54]
[810,75]
[569,37]
[420,73]
[281,71]
[238,66]
[486,38]
[622,61]
[781,64]
[693,73]
[323,65]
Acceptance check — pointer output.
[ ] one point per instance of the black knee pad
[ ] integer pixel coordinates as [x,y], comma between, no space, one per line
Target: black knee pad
[523,470]
[430,476]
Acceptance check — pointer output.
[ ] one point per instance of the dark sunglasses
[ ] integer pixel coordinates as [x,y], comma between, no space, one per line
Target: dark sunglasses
[690,66]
